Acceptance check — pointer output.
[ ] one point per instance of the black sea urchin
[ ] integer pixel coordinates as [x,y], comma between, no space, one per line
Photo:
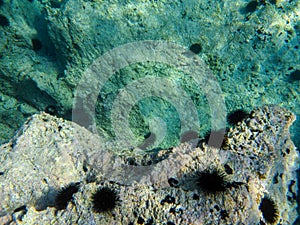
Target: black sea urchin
[211,181]
[4,22]
[65,195]
[237,116]
[104,199]
[269,210]
[295,75]
[196,48]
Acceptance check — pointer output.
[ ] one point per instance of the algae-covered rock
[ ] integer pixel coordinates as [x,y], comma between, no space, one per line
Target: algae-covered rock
[259,161]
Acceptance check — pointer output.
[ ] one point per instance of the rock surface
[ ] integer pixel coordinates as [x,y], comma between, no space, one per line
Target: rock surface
[255,50]
[48,153]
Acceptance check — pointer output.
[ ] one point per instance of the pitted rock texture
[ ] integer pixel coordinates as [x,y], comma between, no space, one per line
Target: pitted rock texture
[48,153]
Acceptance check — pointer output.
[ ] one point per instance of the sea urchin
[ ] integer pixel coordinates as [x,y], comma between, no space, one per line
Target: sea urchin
[237,116]
[65,195]
[269,210]
[211,181]
[104,199]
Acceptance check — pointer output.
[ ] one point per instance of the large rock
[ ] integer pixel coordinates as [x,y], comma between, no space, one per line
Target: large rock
[255,50]
[47,153]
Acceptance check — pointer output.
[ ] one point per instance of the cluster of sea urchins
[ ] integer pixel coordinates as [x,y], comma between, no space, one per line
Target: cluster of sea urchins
[104,199]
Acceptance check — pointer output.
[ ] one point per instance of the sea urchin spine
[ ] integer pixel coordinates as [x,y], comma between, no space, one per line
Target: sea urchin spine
[104,199]
[237,116]
[65,195]
[269,210]
[211,181]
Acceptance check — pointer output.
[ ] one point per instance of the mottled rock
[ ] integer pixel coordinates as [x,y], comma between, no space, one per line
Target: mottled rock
[255,51]
[48,153]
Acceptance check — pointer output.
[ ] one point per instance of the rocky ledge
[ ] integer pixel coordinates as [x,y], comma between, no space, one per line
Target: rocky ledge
[55,172]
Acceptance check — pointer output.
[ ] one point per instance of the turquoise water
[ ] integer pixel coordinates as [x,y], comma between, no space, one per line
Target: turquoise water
[250,48]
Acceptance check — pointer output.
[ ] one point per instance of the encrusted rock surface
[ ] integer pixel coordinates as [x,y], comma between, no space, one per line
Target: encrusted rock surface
[48,153]
[256,51]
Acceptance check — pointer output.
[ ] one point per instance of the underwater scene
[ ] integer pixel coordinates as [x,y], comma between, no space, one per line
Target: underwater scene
[153,112]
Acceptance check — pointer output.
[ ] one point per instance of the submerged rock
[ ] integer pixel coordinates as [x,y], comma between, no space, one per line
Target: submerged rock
[258,164]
